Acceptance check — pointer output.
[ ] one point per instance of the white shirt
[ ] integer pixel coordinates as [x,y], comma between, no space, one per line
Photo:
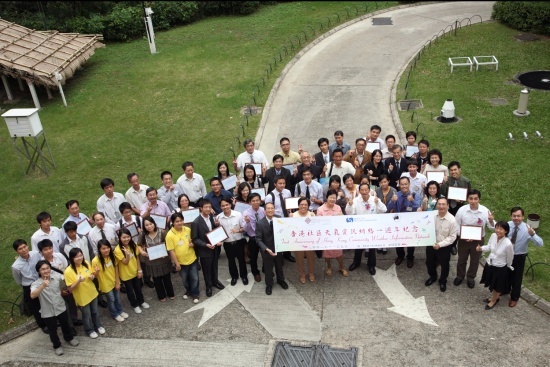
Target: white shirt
[502,252]
[344,168]
[416,182]
[110,234]
[109,207]
[136,198]
[360,206]
[378,140]
[51,301]
[81,242]
[278,206]
[245,157]
[229,223]
[170,197]
[59,261]
[315,189]
[468,217]
[194,187]
[445,229]
[55,236]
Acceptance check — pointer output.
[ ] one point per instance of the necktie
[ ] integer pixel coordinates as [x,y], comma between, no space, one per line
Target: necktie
[514,235]
[103,237]
[307,192]
[257,217]
[283,206]
[271,225]
[397,165]
[252,158]
[326,158]
[277,173]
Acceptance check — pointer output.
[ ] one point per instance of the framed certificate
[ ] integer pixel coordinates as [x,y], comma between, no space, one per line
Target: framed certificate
[436,176]
[457,193]
[241,207]
[229,182]
[160,220]
[471,232]
[190,215]
[132,228]
[411,150]
[83,227]
[157,251]
[372,146]
[289,167]
[291,203]
[259,190]
[257,167]
[217,235]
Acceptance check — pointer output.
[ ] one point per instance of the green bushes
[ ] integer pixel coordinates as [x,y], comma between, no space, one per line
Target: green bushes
[528,16]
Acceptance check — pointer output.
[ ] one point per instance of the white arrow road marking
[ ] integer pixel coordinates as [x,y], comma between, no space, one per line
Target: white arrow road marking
[403,302]
[215,304]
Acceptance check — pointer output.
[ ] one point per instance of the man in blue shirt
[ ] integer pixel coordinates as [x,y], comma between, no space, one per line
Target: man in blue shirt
[217,194]
[339,143]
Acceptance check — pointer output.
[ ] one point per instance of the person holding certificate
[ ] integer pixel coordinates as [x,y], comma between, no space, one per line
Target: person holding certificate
[435,164]
[250,218]
[157,262]
[431,194]
[471,220]
[223,173]
[182,253]
[455,180]
[303,211]
[495,272]
[249,176]
[243,193]
[375,168]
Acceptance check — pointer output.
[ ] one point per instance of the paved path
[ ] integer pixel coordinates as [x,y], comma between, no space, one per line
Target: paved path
[343,82]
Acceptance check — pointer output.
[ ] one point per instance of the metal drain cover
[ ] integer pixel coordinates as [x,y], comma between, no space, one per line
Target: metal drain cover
[382,21]
[410,104]
[287,355]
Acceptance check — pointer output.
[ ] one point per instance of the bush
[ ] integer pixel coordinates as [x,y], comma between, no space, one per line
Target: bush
[124,23]
[209,8]
[92,25]
[167,14]
[529,16]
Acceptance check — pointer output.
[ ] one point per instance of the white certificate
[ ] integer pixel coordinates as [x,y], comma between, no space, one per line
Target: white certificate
[411,150]
[83,227]
[133,230]
[289,167]
[157,251]
[190,215]
[372,146]
[230,182]
[217,235]
[241,207]
[159,220]
[457,193]
[291,203]
[436,176]
[471,232]
[257,167]
[259,190]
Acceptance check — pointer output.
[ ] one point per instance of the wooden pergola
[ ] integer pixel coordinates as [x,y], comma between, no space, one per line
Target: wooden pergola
[46,58]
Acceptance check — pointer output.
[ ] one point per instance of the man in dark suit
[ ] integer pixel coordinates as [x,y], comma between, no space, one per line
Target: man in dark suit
[278,170]
[306,163]
[396,166]
[208,253]
[324,156]
[266,242]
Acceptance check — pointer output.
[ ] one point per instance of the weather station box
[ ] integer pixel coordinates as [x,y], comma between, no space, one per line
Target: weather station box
[23,122]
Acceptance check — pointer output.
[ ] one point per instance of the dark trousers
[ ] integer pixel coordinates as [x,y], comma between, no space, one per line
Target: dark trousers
[253,251]
[400,251]
[441,256]
[516,276]
[371,257]
[51,323]
[465,250]
[72,309]
[146,276]
[235,251]
[163,286]
[33,305]
[209,267]
[269,261]
[133,291]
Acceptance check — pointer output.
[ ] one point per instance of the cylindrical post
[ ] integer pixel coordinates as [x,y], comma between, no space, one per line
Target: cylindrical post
[34,95]
[7,87]
[522,104]
[49,92]
[21,85]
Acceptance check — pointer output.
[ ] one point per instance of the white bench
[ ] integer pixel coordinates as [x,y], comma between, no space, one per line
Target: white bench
[485,60]
[460,61]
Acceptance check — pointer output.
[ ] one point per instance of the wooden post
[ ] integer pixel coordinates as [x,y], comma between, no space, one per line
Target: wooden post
[21,85]
[34,95]
[7,87]
[49,93]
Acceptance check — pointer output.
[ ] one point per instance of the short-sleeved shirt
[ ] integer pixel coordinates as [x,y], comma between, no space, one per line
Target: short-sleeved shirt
[51,301]
[127,271]
[106,277]
[178,241]
[55,236]
[85,292]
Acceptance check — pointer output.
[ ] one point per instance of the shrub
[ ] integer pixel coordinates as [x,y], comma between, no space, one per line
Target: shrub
[528,16]
[124,23]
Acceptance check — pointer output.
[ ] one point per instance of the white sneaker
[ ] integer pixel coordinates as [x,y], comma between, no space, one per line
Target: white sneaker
[93,335]
[137,309]
[145,305]
[196,300]
[124,314]
[101,330]
[59,351]
[185,296]
[74,342]
[119,318]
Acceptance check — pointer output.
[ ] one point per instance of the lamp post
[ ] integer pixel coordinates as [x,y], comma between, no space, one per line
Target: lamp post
[149,29]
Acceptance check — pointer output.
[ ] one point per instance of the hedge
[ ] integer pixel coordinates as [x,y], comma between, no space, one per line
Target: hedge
[528,16]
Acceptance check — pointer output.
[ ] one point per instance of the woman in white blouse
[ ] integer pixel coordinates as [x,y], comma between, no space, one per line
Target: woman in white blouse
[495,273]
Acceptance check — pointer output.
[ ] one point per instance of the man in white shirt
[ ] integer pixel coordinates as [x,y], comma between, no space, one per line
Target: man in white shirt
[387,152]
[323,157]
[73,207]
[230,220]
[374,136]
[169,193]
[250,155]
[136,193]
[440,252]
[102,230]
[56,260]
[109,202]
[277,198]
[191,183]
[310,189]
[46,231]
[473,214]
[366,203]
[417,180]
[74,240]
[338,166]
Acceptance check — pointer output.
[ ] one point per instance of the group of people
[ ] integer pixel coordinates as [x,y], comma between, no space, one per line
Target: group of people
[147,234]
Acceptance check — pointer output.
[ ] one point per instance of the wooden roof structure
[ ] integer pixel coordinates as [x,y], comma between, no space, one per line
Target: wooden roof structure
[36,56]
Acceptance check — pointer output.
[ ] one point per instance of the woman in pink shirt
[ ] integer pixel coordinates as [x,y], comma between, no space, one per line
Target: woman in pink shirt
[327,209]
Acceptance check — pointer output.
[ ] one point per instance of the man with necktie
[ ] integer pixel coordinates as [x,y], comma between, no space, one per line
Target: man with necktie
[277,197]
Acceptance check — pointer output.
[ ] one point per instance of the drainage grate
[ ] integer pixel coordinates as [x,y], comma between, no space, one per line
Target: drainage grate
[287,355]
[410,104]
[382,21]
[527,37]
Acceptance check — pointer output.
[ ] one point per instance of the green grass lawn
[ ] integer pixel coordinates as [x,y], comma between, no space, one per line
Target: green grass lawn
[129,111]
[507,173]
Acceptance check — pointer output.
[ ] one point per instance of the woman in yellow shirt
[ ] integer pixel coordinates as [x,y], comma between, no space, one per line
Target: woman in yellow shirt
[79,278]
[129,269]
[106,271]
